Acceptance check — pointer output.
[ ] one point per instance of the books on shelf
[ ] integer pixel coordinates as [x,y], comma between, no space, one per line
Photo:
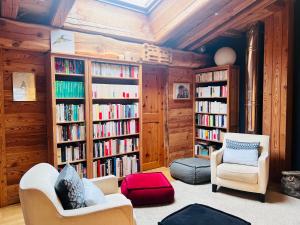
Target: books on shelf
[213,135]
[115,111]
[69,66]
[220,75]
[204,149]
[211,120]
[211,107]
[115,128]
[114,91]
[69,112]
[79,167]
[71,153]
[69,89]
[118,166]
[114,70]
[70,132]
[211,91]
[115,146]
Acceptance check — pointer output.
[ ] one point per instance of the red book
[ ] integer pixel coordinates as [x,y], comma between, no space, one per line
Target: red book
[100,115]
[124,95]
[109,149]
[98,169]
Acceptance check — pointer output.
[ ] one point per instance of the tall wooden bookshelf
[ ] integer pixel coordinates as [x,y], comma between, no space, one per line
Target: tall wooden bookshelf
[83,155]
[216,107]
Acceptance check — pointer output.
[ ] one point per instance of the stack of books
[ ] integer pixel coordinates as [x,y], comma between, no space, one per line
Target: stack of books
[71,153]
[69,66]
[211,91]
[79,167]
[115,146]
[214,135]
[69,89]
[115,128]
[117,91]
[211,107]
[220,75]
[71,132]
[118,166]
[211,120]
[114,70]
[69,112]
[204,77]
[115,111]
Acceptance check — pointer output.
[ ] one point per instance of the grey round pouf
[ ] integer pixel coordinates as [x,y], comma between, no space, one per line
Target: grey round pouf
[191,170]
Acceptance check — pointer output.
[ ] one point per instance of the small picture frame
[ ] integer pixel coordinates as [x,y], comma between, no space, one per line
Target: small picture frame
[181,91]
[24,86]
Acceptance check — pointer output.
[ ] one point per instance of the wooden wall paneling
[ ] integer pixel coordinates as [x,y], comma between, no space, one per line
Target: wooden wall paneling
[25,131]
[3,192]
[10,8]
[180,116]
[62,12]
[141,102]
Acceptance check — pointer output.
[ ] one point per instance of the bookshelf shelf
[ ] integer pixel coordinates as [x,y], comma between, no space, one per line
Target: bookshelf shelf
[121,119]
[71,162]
[209,128]
[119,136]
[116,155]
[72,81]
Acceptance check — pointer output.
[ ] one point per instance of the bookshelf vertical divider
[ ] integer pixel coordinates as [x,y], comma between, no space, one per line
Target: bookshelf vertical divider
[71,107]
[211,125]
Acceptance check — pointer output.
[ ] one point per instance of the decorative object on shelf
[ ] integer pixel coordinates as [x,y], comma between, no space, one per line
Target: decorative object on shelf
[24,86]
[62,41]
[181,91]
[225,56]
[290,183]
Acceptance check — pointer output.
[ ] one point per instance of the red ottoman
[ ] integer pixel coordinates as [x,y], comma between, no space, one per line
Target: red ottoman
[147,189]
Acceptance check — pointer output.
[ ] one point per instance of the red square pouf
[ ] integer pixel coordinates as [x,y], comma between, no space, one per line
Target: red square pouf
[147,189]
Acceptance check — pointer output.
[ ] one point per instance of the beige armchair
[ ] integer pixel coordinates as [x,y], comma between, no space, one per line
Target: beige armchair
[41,205]
[242,177]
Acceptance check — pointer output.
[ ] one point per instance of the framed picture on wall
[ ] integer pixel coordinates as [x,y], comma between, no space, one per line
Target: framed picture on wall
[24,86]
[181,91]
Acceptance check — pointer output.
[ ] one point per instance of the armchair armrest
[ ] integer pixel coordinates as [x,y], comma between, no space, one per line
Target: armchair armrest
[116,212]
[263,172]
[107,184]
[215,160]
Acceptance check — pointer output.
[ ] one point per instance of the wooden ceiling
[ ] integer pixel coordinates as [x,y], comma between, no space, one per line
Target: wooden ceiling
[180,24]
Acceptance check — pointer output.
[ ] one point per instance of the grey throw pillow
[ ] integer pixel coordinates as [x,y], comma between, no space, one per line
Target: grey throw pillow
[69,188]
[92,194]
[244,153]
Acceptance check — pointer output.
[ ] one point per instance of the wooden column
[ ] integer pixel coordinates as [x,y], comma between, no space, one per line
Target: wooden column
[277,98]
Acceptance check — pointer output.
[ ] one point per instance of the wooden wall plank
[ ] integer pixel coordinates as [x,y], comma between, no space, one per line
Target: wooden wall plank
[10,8]
[61,13]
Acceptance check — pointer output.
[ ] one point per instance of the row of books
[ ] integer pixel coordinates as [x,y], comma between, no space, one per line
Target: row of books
[114,70]
[115,111]
[214,135]
[69,66]
[115,128]
[212,76]
[69,89]
[115,91]
[211,107]
[211,120]
[69,112]
[118,166]
[70,132]
[211,91]
[115,146]
[204,149]
[79,167]
[71,153]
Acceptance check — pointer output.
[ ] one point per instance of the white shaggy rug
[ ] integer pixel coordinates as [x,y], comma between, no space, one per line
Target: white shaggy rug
[279,209]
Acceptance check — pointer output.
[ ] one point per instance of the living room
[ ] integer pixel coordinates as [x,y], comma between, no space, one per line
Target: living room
[148,112]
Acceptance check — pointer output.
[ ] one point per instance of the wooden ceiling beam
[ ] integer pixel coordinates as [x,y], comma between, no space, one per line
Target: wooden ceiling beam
[10,8]
[253,13]
[60,15]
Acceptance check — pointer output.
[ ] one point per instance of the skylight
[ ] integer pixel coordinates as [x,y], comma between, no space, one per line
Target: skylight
[142,6]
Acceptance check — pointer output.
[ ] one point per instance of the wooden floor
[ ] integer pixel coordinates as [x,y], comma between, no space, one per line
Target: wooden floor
[12,215]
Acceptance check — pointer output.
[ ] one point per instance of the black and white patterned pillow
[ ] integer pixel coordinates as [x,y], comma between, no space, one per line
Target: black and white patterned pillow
[238,145]
[69,188]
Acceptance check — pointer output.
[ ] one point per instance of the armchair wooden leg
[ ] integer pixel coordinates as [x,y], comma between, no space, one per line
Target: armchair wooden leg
[214,187]
[261,197]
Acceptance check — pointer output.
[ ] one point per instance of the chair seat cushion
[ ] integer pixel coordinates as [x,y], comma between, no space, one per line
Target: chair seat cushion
[191,170]
[147,189]
[236,172]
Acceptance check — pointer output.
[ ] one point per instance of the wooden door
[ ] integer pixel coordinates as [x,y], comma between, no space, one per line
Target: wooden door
[153,83]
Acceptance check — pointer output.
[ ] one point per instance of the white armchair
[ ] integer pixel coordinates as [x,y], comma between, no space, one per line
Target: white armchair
[242,177]
[41,205]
